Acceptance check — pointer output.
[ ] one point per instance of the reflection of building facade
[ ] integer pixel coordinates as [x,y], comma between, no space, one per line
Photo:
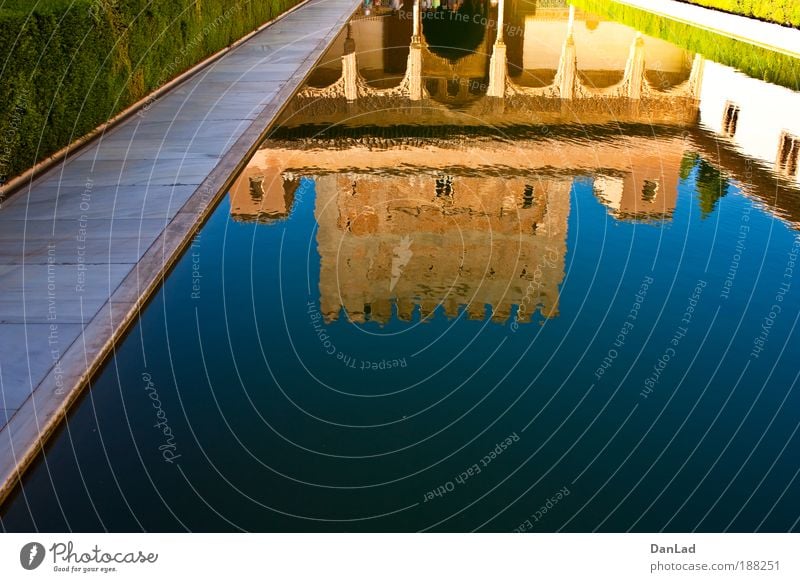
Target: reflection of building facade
[421,238]
[480,224]
[402,225]
[649,189]
[461,242]
[634,177]
[554,65]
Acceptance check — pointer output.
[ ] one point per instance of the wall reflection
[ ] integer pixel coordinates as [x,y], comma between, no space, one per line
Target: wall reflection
[390,244]
[478,227]
[549,61]
[443,173]
[462,242]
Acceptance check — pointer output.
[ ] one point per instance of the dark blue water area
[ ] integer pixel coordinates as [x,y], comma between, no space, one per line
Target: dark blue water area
[238,407]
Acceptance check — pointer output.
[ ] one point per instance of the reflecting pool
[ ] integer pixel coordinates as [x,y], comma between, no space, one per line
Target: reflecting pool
[543,280]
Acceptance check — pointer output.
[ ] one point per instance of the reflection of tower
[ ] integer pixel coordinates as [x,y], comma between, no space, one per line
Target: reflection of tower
[262,194]
[469,242]
[649,189]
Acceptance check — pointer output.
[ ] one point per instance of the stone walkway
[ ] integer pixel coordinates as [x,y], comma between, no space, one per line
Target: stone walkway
[763,34]
[83,247]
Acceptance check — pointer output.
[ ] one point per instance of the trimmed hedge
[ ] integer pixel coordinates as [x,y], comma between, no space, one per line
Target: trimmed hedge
[786,12]
[754,61]
[68,66]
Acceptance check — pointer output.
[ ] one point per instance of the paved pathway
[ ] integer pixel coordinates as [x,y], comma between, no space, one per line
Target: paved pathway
[764,34]
[83,247]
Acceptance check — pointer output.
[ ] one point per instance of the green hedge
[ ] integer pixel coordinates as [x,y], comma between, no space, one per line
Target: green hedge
[67,66]
[754,61]
[785,12]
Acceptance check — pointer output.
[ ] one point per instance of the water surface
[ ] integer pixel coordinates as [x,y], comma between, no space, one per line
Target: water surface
[423,306]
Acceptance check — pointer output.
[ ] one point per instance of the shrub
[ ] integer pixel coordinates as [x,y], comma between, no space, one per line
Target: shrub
[67,66]
[786,12]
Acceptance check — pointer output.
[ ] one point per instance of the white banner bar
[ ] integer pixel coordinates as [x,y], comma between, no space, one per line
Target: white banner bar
[401,557]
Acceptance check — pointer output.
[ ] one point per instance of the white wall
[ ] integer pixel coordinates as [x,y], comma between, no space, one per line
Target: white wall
[765,110]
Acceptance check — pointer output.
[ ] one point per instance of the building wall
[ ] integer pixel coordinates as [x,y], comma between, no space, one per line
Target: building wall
[762,115]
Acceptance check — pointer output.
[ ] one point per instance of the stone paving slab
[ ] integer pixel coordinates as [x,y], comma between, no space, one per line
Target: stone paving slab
[245,89]
[86,174]
[84,246]
[27,352]
[60,293]
[52,202]
[72,241]
[192,109]
[156,133]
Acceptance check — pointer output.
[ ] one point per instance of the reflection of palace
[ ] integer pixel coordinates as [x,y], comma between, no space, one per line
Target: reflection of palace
[554,65]
[544,85]
[410,225]
[435,239]
[459,220]
[549,53]
[428,238]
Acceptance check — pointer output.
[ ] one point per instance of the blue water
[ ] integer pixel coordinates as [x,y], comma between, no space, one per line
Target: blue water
[658,395]
[466,424]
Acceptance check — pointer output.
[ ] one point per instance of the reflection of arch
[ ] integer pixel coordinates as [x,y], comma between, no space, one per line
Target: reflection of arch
[484,71]
[453,34]
[382,43]
[666,80]
[456,83]
[601,79]
[462,80]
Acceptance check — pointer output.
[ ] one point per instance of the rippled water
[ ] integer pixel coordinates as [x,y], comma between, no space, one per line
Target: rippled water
[432,309]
